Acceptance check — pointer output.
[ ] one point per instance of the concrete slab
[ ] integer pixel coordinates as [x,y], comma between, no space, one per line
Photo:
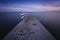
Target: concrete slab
[29,28]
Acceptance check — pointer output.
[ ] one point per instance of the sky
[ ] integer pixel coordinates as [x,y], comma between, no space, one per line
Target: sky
[29,5]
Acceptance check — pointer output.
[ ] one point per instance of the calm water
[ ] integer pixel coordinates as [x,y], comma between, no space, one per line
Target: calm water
[50,20]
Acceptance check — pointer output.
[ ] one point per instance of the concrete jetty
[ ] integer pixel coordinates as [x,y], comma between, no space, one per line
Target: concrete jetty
[29,28]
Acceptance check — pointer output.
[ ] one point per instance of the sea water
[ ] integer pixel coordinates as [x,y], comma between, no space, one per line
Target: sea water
[50,20]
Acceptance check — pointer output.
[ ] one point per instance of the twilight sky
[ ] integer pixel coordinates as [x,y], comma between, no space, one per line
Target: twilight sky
[29,5]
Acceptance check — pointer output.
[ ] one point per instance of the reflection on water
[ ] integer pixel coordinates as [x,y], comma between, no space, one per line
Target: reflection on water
[51,21]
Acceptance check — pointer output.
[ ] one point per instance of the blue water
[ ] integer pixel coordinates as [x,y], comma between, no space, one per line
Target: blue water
[50,20]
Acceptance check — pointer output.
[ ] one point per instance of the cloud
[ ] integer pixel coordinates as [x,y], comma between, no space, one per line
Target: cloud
[36,6]
[41,2]
[29,9]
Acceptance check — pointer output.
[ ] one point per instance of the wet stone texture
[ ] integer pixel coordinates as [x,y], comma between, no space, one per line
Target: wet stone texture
[29,29]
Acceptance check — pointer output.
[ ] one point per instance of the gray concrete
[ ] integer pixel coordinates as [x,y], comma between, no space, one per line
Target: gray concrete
[29,29]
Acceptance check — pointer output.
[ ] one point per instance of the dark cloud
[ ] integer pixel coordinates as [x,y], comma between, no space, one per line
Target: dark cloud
[2,1]
[42,2]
